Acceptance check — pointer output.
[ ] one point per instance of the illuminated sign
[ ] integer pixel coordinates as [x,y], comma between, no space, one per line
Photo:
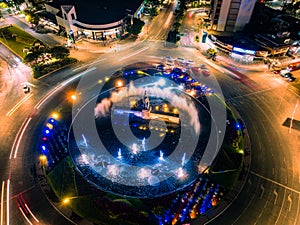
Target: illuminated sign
[245,51]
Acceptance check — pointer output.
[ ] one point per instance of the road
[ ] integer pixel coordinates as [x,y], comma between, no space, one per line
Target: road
[271,192]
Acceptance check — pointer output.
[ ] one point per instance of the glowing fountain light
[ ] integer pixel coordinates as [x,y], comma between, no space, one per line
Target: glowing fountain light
[143,144]
[183,160]
[135,148]
[84,140]
[83,159]
[161,156]
[143,173]
[181,174]
[112,170]
[119,154]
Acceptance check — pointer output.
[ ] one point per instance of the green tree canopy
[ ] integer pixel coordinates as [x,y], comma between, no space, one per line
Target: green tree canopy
[59,52]
[137,26]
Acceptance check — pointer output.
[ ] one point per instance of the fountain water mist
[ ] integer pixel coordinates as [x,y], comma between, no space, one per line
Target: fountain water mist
[161,155]
[183,160]
[119,154]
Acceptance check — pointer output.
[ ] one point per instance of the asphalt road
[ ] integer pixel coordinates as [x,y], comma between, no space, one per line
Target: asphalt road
[271,192]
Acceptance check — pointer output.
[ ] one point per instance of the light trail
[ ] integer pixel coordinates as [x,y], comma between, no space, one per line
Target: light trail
[86,65]
[7,202]
[2,201]
[168,20]
[25,215]
[15,141]
[20,137]
[58,87]
[18,105]
[21,132]
[134,53]
[31,213]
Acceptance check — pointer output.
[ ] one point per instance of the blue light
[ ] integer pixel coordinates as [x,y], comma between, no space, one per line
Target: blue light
[52,121]
[44,150]
[238,126]
[47,132]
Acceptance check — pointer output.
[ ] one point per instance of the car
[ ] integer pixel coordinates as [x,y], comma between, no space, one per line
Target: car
[291,79]
[161,67]
[205,72]
[190,62]
[202,66]
[169,58]
[170,64]
[26,89]
[287,75]
[277,71]
[282,72]
[181,60]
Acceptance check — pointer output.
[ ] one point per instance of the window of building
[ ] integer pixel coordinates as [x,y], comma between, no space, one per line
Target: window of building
[73,16]
[234,11]
[235,5]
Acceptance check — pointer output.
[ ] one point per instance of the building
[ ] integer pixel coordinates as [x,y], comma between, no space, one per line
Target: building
[230,15]
[98,20]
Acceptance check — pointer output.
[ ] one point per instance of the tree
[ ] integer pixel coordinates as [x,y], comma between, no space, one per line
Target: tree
[31,57]
[59,52]
[31,17]
[176,25]
[137,26]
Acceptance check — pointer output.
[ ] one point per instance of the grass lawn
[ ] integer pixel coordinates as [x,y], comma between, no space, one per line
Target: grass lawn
[21,40]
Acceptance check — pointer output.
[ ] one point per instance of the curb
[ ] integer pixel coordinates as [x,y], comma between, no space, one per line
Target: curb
[54,71]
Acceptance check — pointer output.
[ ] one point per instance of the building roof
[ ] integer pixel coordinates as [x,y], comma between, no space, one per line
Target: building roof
[100,11]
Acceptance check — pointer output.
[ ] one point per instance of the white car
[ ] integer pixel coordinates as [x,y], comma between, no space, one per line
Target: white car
[283,72]
[181,60]
[169,58]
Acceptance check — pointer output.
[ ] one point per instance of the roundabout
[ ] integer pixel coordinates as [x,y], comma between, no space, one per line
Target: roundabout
[149,137]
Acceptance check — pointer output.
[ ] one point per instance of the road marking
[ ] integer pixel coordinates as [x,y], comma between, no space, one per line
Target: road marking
[86,65]
[262,191]
[296,217]
[252,93]
[18,105]
[2,201]
[134,53]
[280,211]
[250,183]
[276,196]
[290,201]
[30,84]
[275,182]
[293,114]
